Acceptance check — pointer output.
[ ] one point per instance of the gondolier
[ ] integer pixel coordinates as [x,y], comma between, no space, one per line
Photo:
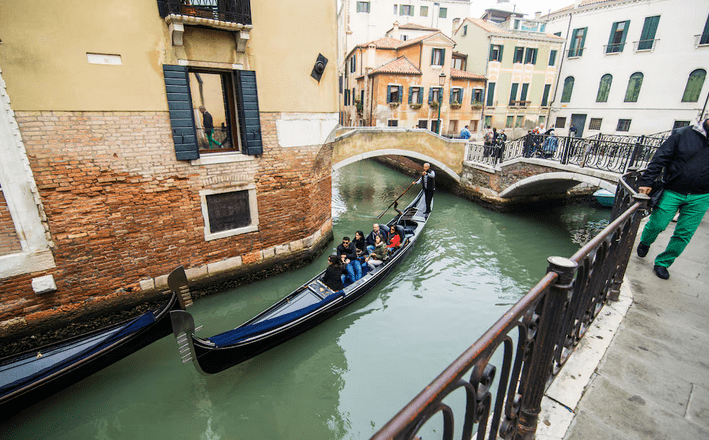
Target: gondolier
[428,184]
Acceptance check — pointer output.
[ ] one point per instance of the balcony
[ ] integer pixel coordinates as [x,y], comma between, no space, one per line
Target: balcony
[613,49]
[575,52]
[644,45]
[226,11]
[701,40]
[520,104]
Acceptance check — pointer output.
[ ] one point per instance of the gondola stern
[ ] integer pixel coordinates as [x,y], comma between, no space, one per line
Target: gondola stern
[183,329]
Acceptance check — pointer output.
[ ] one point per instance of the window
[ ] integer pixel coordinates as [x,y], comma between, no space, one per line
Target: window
[595,124]
[560,122]
[403,37]
[396,9]
[393,123]
[623,125]
[406,10]
[695,82]
[488,121]
[510,121]
[438,57]
[523,94]
[552,57]
[541,120]
[458,64]
[490,94]
[394,94]
[424,13]
[704,38]
[531,56]
[415,95]
[604,88]
[568,89]
[519,54]
[477,97]
[434,126]
[496,52]
[617,39]
[353,63]
[443,13]
[634,84]
[228,213]
[679,124]
[435,94]
[520,122]
[647,36]
[423,123]
[453,126]
[517,24]
[545,95]
[513,93]
[347,96]
[558,34]
[456,95]
[363,7]
[465,30]
[578,39]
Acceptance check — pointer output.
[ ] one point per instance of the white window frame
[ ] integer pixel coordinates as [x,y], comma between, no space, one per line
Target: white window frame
[253,208]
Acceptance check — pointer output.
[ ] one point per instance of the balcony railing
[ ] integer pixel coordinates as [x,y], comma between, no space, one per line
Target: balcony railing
[701,40]
[609,49]
[228,11]
[644,45]
[576,52]
[522,104]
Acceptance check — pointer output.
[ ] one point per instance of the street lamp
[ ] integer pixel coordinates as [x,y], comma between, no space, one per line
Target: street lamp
[441,82]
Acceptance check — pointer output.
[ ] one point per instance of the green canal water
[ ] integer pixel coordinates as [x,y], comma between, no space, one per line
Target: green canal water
[347,377]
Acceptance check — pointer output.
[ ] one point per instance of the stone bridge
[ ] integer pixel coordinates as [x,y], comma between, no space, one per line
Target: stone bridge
[512,182]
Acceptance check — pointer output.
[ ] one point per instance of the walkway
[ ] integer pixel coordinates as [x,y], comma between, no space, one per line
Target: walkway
[652,382]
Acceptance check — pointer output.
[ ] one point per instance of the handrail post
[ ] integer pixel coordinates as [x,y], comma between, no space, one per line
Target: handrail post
[626,249]
[538,370]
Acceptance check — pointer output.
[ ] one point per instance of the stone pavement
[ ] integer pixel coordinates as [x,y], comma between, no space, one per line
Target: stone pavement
[642,370]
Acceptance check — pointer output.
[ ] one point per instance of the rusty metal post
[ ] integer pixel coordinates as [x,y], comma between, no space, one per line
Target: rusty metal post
[626,250]
[538,369]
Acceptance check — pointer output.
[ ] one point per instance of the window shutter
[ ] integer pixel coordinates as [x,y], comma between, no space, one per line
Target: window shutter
[501,48]
[410,96]
[583,40]
[492,46]
[430,95]
[534,56]
[462,94]
[490,94]
[610,38]
[179,103]
[451,97]
[443,57]
[401,93]
[249,116]
[545,96]
[625,34]
[388,94]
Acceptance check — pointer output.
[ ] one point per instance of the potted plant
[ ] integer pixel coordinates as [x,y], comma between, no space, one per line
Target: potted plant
[359,105]
[455,104]
[394,104]
[415,105]
[477,104]
[433,104]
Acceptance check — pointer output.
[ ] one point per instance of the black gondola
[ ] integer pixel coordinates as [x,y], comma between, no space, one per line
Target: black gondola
[31,376]
[308,306]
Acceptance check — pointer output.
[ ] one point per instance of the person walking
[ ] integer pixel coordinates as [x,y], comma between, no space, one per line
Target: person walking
[465,133]
[685,158]
[208,123]
[428,184]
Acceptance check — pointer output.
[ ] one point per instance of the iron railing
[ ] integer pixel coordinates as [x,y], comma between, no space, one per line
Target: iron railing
[229,11]
[615,153]
[547,324]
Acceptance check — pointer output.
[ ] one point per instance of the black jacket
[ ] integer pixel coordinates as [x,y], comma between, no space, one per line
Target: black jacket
[685,158]
[332,277]
[349,251]
[371,237]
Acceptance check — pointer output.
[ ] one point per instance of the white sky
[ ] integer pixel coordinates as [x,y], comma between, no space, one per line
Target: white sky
[528,7]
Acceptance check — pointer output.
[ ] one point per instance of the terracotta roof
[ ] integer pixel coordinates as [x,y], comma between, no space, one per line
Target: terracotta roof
[401,65]
[488,26]
[382,43]
[423,37]
[418,27]
[455,73]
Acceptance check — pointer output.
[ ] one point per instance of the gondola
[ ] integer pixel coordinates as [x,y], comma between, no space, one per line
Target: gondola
[305,308]
[31,376]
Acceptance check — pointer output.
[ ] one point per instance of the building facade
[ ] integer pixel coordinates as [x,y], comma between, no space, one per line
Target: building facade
[112,176]
[394,83]
[521,69]
[631,66]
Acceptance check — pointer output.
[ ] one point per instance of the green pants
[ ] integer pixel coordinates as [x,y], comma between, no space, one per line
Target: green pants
[210,138]
[691,208]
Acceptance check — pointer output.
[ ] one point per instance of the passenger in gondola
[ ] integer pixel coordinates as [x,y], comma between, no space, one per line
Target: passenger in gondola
[377,257]
[394,238]
[376,231]
[360,245]
[348,254]
[333,273]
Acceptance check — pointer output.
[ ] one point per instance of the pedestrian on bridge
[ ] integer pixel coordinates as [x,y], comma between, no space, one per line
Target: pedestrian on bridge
[685,158]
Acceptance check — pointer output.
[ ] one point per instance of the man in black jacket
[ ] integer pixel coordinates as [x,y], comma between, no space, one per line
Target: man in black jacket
[376,230]
[348,253]
[685,158]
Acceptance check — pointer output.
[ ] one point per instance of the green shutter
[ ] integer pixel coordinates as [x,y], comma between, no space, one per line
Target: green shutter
[410,96]
[525,89]
[179,103]
[634,84]
[501,49]
[443,57]
[695,82]
[249,115]
[604,88]
[401,93]
[490,94]
[649,31]
[705,33]
[568,89]
[430,95]
[625,34]
[420,95]
[388,94]
[612,47]
[513,92]
[552,57]
[545,95]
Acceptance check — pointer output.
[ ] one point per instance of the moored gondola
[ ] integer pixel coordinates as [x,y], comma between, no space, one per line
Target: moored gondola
[305,308]
[31,376]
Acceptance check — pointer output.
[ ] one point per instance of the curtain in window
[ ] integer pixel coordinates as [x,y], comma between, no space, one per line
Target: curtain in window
[568,88]
[694,85]
[634,84]
[604,88]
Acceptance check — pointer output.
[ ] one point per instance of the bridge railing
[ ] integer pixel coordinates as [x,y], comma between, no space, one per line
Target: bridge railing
[505,373]
[603,152]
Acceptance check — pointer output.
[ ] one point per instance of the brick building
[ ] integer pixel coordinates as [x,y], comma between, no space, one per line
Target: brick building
[109,178]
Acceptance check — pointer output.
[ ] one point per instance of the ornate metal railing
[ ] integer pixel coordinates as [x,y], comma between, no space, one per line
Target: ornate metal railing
[608,153]
[547,323]
[230,11]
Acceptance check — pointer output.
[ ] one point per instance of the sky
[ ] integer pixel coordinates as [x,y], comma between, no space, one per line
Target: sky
[528,7]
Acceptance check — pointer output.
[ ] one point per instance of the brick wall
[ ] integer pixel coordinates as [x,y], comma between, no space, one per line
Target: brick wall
[8,236]
[122,209]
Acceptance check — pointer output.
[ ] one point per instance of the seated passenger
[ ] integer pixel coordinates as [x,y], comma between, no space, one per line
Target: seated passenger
[378,255]
[347,252]
[394,238]
[333,273]
[359,244]
[376,231]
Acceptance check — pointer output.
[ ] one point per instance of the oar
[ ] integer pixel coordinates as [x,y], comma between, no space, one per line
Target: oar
[397,199]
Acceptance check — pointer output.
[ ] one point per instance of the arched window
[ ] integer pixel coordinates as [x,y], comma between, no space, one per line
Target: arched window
[568,88]
[634,84]
[604,87]
[695,82]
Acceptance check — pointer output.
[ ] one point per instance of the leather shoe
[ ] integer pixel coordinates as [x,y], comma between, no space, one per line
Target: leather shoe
[642,250]
[661,272]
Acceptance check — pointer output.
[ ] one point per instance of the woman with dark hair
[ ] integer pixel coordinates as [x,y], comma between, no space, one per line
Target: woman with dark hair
[359,243]
[333,273]
[379,254]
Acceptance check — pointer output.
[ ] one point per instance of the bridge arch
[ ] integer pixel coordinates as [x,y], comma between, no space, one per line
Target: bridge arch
[358,144]
[552,183]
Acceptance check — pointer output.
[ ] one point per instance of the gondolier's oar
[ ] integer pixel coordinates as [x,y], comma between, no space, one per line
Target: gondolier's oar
[397,199]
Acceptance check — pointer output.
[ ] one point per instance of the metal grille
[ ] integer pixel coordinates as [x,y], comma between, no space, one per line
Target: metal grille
[231,11]
[228,211]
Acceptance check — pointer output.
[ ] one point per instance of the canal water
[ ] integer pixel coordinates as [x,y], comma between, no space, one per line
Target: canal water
[347,377]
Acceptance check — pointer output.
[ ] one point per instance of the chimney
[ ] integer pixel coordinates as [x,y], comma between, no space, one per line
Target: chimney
[537,15]
[395,31]
[371,55]
[456,22]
